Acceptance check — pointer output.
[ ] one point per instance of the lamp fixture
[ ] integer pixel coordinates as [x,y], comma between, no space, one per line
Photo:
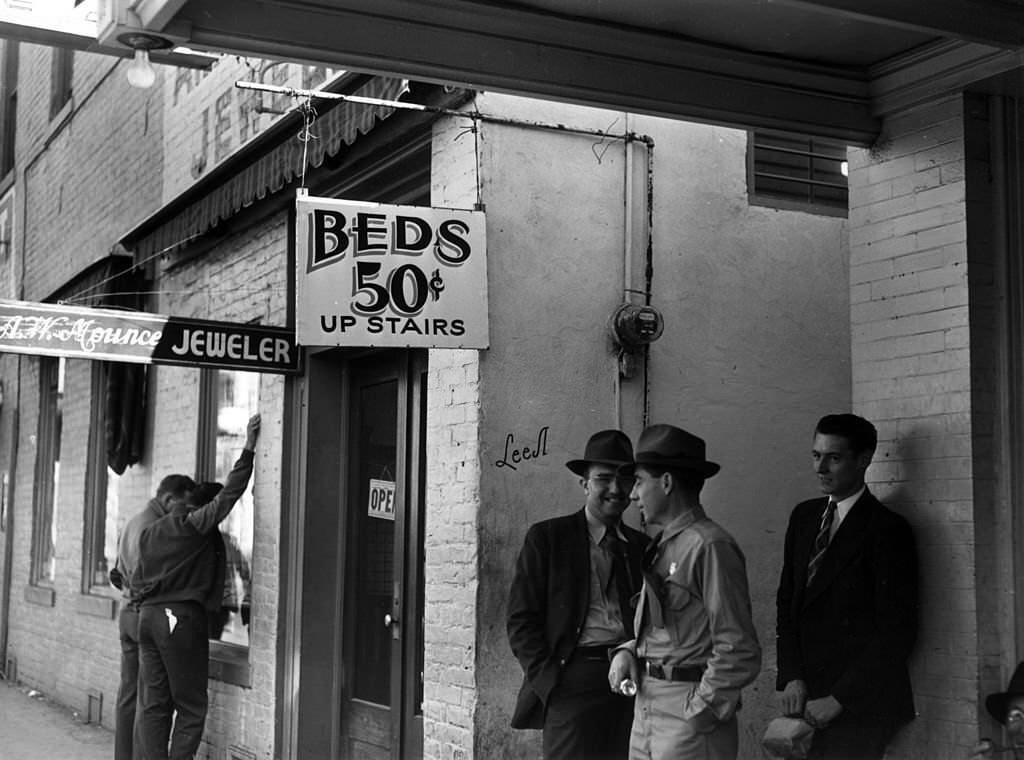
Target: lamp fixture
[140,71]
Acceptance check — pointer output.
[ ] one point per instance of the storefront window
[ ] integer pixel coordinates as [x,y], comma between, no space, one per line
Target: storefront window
[229,399]
[47,476]
[111,512]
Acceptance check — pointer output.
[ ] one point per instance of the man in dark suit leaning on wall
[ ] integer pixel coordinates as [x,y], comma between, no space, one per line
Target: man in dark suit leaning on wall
[847,603]
[570,603]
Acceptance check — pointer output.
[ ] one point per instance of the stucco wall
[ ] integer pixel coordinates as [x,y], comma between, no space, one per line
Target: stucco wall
[756,348]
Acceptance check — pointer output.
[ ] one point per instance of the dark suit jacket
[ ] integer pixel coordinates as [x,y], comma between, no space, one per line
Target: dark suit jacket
[548,605]
[850,633]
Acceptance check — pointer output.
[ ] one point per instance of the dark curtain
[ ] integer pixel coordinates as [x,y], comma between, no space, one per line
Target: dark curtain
[125,414]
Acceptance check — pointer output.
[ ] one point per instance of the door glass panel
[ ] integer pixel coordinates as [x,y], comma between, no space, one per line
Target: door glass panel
[374,517]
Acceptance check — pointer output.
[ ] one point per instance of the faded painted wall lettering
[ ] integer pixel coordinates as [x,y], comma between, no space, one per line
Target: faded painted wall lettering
[516,454]
[234,116]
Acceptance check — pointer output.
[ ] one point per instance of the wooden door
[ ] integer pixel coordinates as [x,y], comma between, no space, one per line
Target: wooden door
[382,658]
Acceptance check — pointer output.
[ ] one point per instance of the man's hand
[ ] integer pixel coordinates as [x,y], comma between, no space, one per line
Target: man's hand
[705,721]
[252,432]
[793,697]
[623,666]
[820,712]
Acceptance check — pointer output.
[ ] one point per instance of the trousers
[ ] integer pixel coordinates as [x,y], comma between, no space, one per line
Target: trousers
[127,745]
[585,720]
[174,654]
[854,737]
[661,732]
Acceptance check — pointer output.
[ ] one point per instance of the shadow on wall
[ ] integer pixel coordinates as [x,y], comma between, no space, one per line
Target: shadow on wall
[921,477]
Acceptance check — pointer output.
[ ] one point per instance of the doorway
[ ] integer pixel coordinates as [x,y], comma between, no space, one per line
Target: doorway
[358,687]
[382,695]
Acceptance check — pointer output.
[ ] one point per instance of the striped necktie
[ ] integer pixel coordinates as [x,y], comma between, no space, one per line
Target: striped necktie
[821,541]
[623,580]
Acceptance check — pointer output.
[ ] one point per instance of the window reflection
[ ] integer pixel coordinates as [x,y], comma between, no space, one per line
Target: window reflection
[112,511]
[47,479]
[237,399]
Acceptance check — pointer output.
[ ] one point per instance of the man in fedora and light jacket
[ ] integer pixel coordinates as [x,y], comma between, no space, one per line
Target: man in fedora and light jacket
[696,647]
[570,604]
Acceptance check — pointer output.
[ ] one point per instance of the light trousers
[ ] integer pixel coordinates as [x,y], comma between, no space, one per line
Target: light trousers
[660,732]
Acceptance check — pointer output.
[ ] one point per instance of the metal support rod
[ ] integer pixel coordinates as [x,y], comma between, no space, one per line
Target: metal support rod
[475,115]
[628,137]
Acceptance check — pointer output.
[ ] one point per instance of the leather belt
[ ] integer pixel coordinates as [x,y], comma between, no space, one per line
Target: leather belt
[672,672]
[592,654]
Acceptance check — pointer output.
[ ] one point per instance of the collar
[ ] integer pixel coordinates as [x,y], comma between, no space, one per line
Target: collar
[597,529]
[843,507]
[157,507]
[683,521]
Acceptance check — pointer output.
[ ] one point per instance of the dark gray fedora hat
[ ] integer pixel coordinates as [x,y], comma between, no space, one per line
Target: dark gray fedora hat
[611,447]
[997,704]
[672,447]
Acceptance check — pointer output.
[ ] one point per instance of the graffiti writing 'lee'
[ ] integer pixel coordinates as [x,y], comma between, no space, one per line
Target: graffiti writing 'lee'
[515,455]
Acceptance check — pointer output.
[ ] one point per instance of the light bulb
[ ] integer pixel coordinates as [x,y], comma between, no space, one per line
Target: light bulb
[140,71]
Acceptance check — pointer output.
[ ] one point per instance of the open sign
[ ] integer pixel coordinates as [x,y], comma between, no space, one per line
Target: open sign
[382,499]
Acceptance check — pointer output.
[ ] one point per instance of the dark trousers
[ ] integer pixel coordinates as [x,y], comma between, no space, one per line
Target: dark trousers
[126,742]
[854,737]
[584,719]
[173,667]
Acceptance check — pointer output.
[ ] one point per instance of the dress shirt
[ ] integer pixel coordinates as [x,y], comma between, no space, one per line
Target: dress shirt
[842,510]
[602,626]
[707,615]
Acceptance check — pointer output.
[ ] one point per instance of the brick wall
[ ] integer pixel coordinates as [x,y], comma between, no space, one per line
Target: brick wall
[451,551]
[453,496]
[83,178]
[88,178]
[912,378]
[453,500]
[90,174]
[243,279]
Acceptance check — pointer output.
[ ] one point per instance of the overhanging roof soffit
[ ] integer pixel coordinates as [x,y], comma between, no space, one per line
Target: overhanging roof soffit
[934,71]
[157,13]
[516,50]
[999,23]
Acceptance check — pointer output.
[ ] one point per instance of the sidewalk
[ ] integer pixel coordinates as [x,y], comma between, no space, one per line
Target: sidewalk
[33,728]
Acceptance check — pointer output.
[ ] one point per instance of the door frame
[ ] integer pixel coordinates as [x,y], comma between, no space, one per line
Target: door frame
[312,619]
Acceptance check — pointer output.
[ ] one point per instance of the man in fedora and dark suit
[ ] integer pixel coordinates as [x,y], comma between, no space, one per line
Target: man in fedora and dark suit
[847,603]
[570,604]
[696,647]
[1007,707]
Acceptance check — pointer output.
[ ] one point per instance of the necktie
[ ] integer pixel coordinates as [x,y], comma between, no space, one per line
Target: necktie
[652,584]
[821,541]
[622,578]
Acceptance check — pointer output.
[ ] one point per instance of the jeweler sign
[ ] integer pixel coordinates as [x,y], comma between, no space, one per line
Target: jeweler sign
[128,336]
[375,275]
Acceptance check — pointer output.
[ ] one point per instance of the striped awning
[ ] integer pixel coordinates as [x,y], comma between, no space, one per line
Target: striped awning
[258,169]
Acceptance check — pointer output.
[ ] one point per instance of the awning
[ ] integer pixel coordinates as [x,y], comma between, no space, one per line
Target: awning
[264,166]
[109,282]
